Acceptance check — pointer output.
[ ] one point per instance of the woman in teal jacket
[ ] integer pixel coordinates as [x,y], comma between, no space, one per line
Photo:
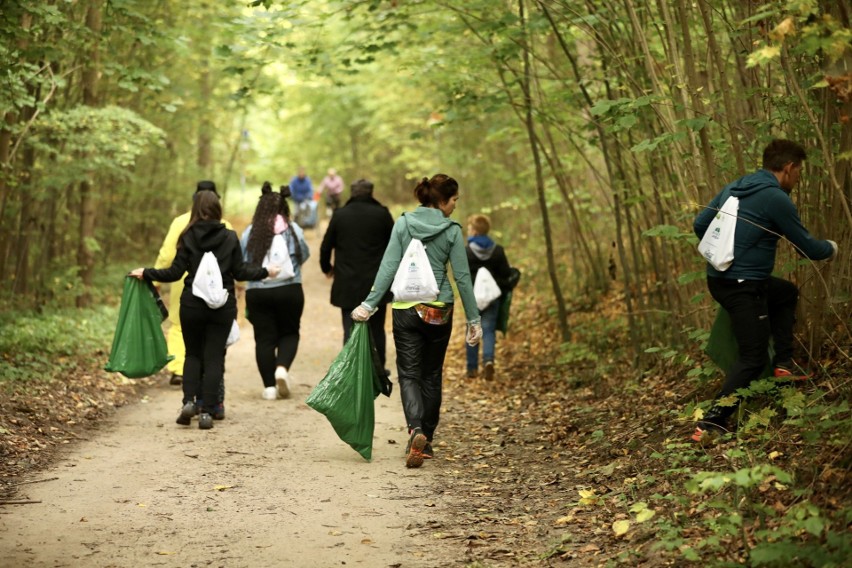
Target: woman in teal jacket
[421,330]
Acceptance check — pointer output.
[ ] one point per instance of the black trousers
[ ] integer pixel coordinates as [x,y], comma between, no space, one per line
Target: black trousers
[205,332]
[759,309]
[377,328]
[420,352]
[275,314]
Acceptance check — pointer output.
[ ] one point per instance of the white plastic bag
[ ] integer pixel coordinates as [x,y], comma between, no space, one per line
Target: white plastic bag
[207,284]
[414,280]
[234,334]
[279,255]
[485,288]
[717,245]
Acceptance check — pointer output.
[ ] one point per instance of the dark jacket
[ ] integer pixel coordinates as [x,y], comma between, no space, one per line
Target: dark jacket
[358,233]
[484,252]
[764,209]
[202,237]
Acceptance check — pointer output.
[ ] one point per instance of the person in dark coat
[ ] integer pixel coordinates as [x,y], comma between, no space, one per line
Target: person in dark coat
[483,252]
[357,234]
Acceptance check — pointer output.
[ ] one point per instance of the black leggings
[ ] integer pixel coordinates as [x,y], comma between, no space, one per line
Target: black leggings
[275,314]
[205,332]
[420,352]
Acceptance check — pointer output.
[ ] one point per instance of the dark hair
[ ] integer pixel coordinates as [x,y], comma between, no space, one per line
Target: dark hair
[205,206]
[361,187]
[779,153]
[439,189]
[206,185]
[262,224]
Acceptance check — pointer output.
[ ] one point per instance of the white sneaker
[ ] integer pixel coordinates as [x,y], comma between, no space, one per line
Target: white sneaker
[270,393]
[282,381]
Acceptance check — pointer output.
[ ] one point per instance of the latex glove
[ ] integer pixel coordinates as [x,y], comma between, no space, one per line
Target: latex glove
[137,273]
[834,254]
[273,270]
[474,333]
[361,313]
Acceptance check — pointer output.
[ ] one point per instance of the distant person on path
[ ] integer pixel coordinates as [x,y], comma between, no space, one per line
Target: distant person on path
[166,256]
[275,306]
[205,330]
[302,192]
[421,330]
[332,186]
[483,252]
[357,235]
[760,305]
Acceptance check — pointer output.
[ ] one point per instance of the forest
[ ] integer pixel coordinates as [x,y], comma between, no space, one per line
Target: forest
[591,132]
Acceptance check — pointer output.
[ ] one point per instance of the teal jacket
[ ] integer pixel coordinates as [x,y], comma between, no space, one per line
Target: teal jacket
[443,240]
[765,212]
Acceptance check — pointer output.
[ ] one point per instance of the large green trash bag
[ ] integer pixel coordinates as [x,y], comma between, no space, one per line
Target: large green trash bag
[345,395]
[722,345]
[138,346]
[503,314]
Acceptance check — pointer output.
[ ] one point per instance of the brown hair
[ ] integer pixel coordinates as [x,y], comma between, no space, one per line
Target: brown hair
[205,206]
[439,189]
[480,223]
[779,153]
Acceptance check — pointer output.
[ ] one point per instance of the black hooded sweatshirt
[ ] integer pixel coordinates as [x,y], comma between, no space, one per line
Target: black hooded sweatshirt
[207,236]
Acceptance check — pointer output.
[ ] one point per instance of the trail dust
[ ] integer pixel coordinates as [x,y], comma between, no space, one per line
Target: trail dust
[271,485]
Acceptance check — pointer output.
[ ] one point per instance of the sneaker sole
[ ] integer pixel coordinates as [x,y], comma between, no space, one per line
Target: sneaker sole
[415,452]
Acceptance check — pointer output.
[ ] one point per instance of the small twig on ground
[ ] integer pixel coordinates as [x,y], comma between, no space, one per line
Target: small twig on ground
[36,481]
[18,502]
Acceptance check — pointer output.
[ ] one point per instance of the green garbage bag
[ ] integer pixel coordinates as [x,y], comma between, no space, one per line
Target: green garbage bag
[138,346]
[722,345]
[345,395]
[503,314]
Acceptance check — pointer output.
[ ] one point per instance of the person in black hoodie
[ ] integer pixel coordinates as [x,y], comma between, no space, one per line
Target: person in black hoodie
[483,252]
[358,234]
[205,330]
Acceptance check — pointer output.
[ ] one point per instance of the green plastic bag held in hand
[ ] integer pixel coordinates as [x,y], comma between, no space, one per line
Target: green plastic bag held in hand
[138,346]
[345,395]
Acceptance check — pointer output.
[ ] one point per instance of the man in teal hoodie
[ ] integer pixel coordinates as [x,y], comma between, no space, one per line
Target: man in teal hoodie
[760,305]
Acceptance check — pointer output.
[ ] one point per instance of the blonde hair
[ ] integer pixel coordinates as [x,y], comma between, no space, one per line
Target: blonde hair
[480,223]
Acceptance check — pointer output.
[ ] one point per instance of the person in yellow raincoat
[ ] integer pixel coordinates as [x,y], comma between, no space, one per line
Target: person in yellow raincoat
[166,256]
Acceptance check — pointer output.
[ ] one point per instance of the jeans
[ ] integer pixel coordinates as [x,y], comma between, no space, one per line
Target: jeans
[420,352]
[275,314]
[377,328]
[489,337]
[759,309]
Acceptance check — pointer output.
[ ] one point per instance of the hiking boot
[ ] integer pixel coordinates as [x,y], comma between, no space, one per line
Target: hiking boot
[186,414]
[282,381]
[205,421]
[428,452]
[791,371]
[489,370]
[218,412]
[472,373]
[176,379]
[270,393]
[414,450]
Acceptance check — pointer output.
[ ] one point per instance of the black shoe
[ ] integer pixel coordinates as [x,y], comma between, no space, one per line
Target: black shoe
[176,379]
[186,414]
[414,450]
[428,452]
[205,421]
[218,412]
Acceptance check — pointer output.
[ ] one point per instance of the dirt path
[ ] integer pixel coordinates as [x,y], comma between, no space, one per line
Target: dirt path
[272,485]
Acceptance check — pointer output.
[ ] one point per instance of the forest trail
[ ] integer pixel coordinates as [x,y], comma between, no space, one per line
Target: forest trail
[271,485]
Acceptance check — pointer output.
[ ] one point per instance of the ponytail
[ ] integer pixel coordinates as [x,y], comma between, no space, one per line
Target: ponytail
[439,189]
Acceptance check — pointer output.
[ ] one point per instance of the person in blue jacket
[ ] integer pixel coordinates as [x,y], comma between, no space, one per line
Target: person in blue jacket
[760,305]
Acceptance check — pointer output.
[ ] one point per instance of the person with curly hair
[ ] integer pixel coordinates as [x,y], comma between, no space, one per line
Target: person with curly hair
[274,306]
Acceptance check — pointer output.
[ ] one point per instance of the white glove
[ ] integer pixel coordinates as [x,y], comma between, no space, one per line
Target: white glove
[834,254]
[474,333]
[362,313]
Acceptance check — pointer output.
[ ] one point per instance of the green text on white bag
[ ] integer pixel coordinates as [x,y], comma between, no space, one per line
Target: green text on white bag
[414,280]
[717,244]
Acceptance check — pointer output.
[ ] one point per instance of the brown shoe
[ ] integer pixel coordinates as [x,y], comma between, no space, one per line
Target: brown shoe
[176,379]
[472,373]
[489,370]
[416,443]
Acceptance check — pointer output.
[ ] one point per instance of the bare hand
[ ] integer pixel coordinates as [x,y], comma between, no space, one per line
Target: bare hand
[136,273]
[273,270]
